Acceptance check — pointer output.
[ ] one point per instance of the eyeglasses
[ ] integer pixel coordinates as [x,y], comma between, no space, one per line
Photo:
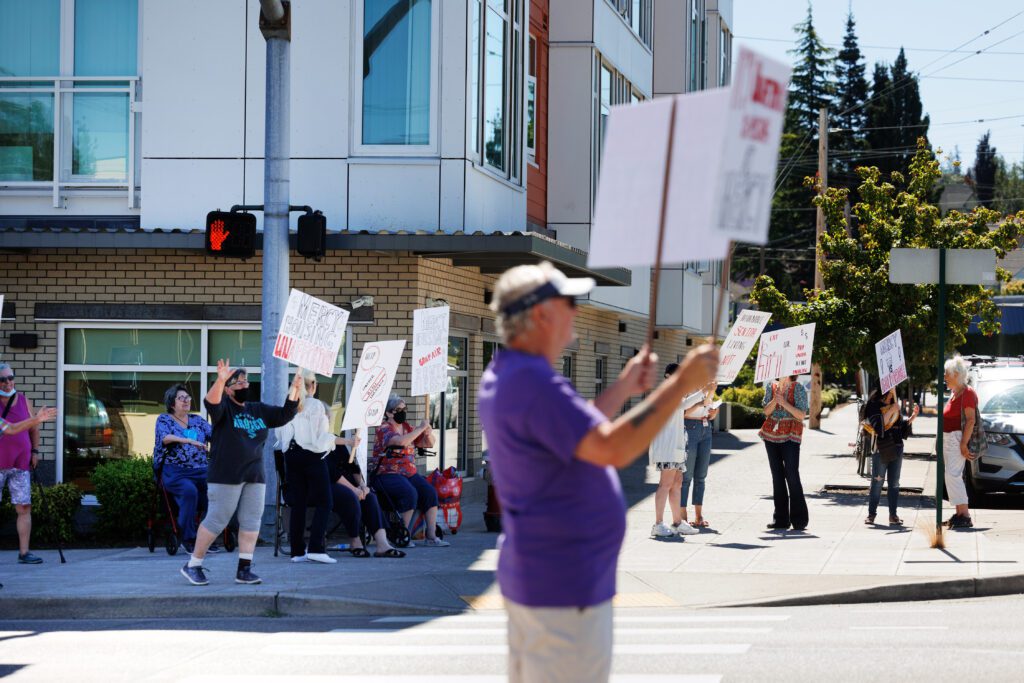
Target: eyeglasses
[184,399]
[8,378]
[238,383]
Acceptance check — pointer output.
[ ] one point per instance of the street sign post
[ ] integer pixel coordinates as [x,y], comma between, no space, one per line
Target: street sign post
[942,267]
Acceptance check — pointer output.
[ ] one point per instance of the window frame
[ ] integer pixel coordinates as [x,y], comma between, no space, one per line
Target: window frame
[371,150]
[204,370]
[528,111]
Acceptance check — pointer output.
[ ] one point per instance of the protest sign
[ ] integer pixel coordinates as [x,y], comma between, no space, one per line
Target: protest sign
[739,343]
[360,455]
[892,366]
[724,155]
[372,386]
[784,352]
[311,333]
[430,350]
[1,307]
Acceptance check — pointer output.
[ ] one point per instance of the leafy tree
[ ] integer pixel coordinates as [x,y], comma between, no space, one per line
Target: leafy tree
[1009,190]
[984,172]
[1013,288]
[858,306]
[851,116]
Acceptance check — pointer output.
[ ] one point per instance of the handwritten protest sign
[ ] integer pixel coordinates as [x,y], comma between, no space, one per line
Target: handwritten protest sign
[374,378]
[784,352]
[429,350]
[892,366]
[311,333]
[724,155]
[739,343]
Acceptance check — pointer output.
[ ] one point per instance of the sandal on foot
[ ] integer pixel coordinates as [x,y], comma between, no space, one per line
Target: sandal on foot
[702,523]
[895,521]
[359,552]
[869,520]
[390,552]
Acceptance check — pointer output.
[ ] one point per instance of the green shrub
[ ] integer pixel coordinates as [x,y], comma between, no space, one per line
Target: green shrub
[125,491]
[751,397]
[829,398]
[745,417]
[53,518]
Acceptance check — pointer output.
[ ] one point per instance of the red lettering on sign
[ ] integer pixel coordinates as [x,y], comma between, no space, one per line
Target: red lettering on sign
[284,347]
[769,92]
[755,128]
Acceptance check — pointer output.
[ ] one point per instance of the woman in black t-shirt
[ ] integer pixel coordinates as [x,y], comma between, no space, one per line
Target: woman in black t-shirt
[356,504]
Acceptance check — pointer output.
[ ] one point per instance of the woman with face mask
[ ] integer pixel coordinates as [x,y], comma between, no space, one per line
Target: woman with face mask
[785,407]
[890,427]
[393,467]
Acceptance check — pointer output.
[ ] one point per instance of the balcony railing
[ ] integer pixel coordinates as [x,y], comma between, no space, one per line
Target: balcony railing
[64,132]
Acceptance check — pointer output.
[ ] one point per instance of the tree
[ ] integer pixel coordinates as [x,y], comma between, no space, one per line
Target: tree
[1009,190]
[850,117]
[895,117]
[984,172]
[789,258]
[858,305]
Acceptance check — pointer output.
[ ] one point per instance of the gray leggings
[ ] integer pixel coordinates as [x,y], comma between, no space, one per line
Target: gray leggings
[224,499]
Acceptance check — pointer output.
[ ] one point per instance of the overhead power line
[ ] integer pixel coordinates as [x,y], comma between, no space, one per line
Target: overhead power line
[877,47]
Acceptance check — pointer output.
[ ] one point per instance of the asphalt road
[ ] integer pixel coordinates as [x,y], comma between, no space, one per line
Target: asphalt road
[978,639]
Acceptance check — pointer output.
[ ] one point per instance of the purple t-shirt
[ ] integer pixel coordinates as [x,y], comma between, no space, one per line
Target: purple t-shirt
[563,519]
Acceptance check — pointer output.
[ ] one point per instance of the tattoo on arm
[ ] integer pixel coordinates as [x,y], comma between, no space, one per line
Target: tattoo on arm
[637,416]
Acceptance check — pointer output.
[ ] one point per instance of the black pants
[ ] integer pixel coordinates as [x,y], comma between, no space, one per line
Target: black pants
[309,484]
[355,512]
[787,491]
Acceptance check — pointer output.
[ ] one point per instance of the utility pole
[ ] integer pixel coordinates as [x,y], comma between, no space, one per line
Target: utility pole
[815,400]
[275,24]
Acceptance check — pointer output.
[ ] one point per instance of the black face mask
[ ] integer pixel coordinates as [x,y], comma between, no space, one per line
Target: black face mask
[242,394]
[400,416]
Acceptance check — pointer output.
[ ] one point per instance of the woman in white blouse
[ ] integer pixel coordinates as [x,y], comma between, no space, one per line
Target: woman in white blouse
[306,441]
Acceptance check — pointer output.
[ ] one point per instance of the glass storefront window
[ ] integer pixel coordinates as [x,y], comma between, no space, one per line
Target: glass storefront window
[241,347]
[447,410]
[106,37]
[132,347]
[396,72]
[26,137]
[100,136]
[29,38]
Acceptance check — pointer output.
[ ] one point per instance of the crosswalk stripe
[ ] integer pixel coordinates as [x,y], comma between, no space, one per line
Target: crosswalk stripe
[448,631]
[419,678]
[882,627]
[619,619]
[400,650]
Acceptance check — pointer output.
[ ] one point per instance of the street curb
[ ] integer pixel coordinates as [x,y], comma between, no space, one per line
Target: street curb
[952,589]
[204,606]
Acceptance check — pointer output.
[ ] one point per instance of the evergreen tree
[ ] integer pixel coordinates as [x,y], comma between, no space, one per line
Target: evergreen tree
[984,172]
[895,117]
[850,116]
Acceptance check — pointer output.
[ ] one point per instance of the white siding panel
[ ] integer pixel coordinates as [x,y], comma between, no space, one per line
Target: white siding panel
[570,127]
[670,298]
[393,196]
[493,205]
[255,86]
[635,299]
[671,34]
[180,192]
[454,81]
[693,302]
[622,47]
[319,183]
[320,79]
[193,79]
[453,194]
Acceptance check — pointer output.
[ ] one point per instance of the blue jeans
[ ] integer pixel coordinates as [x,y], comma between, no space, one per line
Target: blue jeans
[879,470]
[188,487]
[698,458]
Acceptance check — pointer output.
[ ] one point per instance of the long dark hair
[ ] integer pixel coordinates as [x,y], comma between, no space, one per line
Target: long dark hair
[172,394]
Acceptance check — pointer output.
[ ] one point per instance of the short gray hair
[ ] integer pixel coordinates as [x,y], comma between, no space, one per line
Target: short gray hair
[6,366]
[957,367]
[393,402]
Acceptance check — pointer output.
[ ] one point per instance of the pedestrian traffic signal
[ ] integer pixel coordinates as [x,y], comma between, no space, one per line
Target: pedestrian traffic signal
[231,234]
[311,240]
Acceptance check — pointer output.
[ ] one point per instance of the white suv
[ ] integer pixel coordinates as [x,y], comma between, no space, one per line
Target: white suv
[1000,387]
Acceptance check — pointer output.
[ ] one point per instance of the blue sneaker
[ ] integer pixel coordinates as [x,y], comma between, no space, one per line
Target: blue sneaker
[29,558]
[195,575]
[245,575]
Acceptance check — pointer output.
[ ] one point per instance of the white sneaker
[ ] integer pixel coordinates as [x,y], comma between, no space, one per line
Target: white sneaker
[659,530]
[300,558]
[684,529]
[323,558]
[435,543]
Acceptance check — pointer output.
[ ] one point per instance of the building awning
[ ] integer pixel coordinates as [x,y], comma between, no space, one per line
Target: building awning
[492,253]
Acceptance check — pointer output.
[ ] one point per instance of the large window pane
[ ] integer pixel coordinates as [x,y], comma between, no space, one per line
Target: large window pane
[241,347]
[396,72]
[29,37]
[494,91]
[106,37]
[100,136]
[132,347]
[112,415]
[474,78]
[26,137]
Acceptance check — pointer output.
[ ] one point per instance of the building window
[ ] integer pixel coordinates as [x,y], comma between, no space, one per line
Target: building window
[531,103]
[610,88]
[396,61]
[447,411]
[600,374]
[87,69]
[569,366]
[497,82]
[697,51]
[112,381]
[724,56]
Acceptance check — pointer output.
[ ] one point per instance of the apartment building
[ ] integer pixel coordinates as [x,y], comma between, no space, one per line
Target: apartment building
[444,140]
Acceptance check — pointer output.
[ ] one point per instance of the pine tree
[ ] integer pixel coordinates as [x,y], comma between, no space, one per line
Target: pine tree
[850,116]
[895,117]
[984,172]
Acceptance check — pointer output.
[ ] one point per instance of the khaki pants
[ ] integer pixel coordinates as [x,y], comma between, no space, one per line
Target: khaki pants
[559,644]
[953,461]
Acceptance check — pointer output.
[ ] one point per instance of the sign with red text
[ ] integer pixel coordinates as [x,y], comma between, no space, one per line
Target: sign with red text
[738,345]
[892,365]
[430,350]
[725,147]
[784,352]
[371,388]
[311,333]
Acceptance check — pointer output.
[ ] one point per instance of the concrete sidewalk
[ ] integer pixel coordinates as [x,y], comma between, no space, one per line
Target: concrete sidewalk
[837,559]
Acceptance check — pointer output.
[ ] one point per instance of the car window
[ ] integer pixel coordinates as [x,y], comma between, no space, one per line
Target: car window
[1001,396]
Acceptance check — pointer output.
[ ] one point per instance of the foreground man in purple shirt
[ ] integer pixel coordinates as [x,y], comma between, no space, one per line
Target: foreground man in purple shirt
[553,455]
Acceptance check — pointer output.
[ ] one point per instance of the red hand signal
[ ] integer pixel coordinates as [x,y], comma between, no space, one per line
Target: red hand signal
[217,235]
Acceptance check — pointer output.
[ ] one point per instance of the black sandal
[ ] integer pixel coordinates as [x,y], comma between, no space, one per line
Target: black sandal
[359,552]
[390,552]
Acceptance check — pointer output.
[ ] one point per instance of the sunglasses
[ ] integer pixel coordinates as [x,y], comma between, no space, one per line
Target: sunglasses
[7,378]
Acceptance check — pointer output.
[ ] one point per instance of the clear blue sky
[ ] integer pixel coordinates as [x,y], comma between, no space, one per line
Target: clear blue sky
[928,30]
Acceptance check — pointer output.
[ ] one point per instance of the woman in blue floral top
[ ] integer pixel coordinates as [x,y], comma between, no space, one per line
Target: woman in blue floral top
[785,407]
[180,458]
